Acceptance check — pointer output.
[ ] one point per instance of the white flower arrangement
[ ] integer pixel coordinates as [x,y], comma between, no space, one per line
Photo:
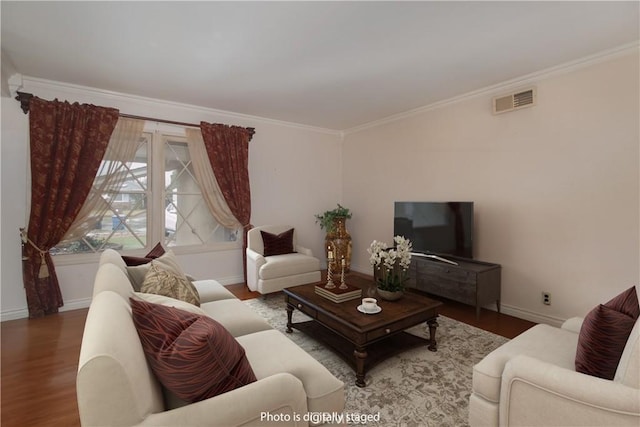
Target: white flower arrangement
[387,260]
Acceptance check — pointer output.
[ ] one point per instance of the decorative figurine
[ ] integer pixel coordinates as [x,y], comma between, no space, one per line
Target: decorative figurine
[343,285]
[330,284]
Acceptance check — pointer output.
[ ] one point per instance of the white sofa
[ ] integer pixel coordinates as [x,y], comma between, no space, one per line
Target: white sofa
[532,381]
[116,387]
[267,274]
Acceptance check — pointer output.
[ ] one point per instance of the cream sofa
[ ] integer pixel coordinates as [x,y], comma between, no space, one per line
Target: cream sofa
[532,381]
[267,274]
[116,387]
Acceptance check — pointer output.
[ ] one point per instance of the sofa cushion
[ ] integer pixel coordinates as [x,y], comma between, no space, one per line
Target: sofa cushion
[169,302]
[277,244]
[166,282]
[192,355]
[325,393]
[211,290]
[156,252]
[235,316]
[288,265]
[628,372]
[553,345]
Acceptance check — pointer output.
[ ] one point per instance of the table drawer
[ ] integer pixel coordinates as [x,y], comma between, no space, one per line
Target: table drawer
[390,329]
[338,327]
[311,312]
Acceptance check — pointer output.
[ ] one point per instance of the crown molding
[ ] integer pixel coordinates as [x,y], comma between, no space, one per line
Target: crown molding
[32,84]
[604,56]
[15,84]
[27,83]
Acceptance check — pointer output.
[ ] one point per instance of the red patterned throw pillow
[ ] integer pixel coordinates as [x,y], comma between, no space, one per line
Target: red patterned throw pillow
[192,355]
[277,244]
[626,302]
[604,334]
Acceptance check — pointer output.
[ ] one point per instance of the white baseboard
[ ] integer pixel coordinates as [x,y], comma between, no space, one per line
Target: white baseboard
[224,281]
[531,316]
[18,313]
[76,304]
[23,313]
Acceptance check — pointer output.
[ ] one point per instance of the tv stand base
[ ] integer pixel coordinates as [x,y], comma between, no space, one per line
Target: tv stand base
[467,281]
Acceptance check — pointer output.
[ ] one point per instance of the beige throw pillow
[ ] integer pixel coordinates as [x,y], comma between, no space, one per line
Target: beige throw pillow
[169,302]
[170,283]
[168,261]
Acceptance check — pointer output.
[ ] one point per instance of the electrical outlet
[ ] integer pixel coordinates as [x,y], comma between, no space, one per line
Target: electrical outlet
[546,298]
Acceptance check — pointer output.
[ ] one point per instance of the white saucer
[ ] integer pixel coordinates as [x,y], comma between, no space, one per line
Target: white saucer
[376,310]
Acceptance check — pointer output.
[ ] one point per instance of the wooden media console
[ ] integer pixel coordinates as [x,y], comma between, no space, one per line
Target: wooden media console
[470,282]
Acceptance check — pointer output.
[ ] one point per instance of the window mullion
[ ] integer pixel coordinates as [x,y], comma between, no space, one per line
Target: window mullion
[155,231]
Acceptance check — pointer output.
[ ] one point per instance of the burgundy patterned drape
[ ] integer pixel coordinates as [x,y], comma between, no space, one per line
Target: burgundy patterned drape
[228,151]
[67,144]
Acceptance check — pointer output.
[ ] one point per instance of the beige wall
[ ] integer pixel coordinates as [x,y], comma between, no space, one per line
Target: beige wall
[556,186]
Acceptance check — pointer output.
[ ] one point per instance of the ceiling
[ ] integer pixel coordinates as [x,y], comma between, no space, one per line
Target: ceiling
[334,65]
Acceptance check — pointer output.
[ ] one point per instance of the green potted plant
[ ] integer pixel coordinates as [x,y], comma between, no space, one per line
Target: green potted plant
[328,219]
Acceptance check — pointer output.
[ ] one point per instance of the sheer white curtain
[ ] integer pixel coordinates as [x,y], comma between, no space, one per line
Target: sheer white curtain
[204,174]
[124,143]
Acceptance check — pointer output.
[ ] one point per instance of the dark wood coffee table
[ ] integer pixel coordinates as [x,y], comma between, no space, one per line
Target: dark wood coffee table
[363,340]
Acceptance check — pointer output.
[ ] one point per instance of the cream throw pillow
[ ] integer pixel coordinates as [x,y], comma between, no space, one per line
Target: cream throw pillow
[169,302]
[168,261]
[169,281]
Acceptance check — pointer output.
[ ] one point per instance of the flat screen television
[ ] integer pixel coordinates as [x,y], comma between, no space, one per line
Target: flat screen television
[439,228]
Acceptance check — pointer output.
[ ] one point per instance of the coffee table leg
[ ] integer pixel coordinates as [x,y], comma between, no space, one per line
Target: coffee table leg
[433,325]
[361,354]
[289,314]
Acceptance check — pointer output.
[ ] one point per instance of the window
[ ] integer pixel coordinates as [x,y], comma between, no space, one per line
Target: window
[187,220]
[155,197]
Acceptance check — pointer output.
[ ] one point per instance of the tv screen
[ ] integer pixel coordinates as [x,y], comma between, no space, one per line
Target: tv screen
[441,228]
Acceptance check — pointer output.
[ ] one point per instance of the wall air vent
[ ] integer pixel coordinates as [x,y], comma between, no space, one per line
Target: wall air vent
[514,101]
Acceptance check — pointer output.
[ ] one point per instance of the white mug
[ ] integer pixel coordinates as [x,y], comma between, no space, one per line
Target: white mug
[369,304]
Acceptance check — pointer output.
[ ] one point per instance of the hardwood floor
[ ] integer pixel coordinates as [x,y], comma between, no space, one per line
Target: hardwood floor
[39,364]
[40,360]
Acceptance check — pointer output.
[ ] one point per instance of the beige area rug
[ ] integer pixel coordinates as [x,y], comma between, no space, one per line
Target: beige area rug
[415,388]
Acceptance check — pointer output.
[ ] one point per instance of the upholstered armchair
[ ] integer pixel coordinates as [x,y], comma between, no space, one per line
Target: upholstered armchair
[567,376]
[275,261]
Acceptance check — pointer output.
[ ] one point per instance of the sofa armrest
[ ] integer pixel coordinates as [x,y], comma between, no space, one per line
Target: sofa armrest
[573,324]
[280,394]
[536,393]
[303,250]
[254,262]
[255,257]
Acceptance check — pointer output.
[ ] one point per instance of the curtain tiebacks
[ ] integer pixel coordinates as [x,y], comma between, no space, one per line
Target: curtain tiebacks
[44,270]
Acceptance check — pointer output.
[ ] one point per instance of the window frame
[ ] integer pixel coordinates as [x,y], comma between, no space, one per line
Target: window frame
[158,133]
